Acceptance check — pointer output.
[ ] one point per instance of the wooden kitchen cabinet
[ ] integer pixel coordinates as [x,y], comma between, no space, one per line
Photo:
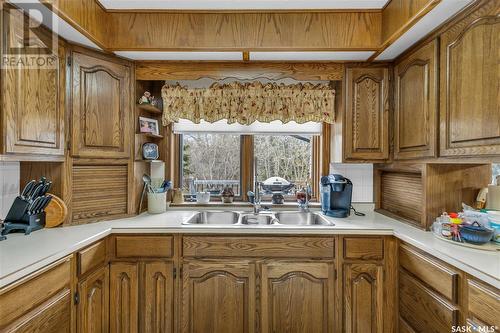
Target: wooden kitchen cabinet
[366,130]
[102,106]
[157,290]
[363,288]
[124,295]
[218,296]
[297,297]
[483,304]
[93,304]
[416,110]
[469,93]
[32,98]
[41,303]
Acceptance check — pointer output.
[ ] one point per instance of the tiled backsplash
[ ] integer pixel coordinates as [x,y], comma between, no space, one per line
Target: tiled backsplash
[9,185]
[361,176]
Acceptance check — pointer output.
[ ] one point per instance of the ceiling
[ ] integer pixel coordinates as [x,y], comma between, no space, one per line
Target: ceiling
[241,4]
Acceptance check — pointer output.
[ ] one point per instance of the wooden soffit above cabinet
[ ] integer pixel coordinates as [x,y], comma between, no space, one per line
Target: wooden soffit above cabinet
[293,30]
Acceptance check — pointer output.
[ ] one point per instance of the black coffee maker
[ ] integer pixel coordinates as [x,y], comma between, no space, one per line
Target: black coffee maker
[336,195]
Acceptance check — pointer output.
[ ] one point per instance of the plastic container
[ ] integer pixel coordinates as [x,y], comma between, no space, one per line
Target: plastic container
[496,230]
[476,234]
[157,203]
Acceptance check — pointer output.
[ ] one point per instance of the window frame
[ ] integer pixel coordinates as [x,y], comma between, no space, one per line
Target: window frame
[321,146]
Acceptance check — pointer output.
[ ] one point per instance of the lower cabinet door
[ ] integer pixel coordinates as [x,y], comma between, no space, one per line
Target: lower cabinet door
[93,310]
[297,297]
[157,292]
[218,297]
[124,295]
[363,298]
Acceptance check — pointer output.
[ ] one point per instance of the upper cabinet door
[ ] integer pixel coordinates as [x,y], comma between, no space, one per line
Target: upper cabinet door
[32,98]
[470,91]
[416,104]
[366,113]
[101,108]
[297,297]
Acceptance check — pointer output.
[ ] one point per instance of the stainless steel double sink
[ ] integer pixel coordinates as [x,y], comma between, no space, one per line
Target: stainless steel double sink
[224,218]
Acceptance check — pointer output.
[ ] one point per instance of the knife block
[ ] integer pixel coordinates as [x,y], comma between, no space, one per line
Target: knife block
[19,219]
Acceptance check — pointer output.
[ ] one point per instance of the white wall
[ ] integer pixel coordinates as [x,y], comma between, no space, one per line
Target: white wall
[361,176]
[9,185]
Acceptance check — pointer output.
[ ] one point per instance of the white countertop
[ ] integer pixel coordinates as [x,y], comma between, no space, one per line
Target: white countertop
[21,255]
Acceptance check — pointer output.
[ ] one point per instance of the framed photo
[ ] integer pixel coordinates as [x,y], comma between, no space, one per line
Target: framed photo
[149,125]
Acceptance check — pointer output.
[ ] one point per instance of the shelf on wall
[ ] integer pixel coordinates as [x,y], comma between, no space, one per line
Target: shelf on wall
[149,108]
[149,161]
[151,135]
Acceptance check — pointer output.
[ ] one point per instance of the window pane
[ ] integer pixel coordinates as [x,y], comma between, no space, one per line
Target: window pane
[496,172]
[285,156]
[210,162]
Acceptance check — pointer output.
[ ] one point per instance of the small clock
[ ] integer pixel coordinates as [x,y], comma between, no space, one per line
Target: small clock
[150,151]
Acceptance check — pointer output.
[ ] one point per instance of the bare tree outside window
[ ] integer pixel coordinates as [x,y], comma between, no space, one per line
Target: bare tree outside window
[285,156]
[211,162]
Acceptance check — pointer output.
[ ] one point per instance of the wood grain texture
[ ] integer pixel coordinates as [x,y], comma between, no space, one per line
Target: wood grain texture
[99,192]
[399,15]
[277,247]
[52,316]
[469,88]
[144,246]
[92,257]
[416,109]
[428,270]
[32,102]
[363,298]
[164,70]
[102,108]
[402,193]
[124,296]
[366,113]
[86,16]
[297,297]
[363,248]
[32,294]
[93,310]
[423,309]
[218,297]
[157,291]
[483,303]
[248,31]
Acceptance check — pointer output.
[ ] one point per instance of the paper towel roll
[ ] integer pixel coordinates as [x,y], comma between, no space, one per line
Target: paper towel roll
[493,201]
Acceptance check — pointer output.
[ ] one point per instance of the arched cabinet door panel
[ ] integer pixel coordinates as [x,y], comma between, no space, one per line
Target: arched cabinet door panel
[415,118]
[297,297]
[363,298]
[93,308]
[102,110]
[470,88]
[366,130]
[32,97]
[124,296]
[218,297]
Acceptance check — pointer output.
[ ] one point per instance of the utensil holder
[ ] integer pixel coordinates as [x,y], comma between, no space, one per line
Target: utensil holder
[157,203]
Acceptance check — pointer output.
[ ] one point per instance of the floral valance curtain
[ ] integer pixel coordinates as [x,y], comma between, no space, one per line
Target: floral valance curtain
[245,103]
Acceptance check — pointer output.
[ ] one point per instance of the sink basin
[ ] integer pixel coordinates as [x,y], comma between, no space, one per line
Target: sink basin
[213,218]
[302,218]
[258,219]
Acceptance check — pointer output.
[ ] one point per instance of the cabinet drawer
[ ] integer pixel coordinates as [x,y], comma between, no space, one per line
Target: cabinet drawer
[430,271]
[144,246]
[19,299]
[484,303]
[277,247]
[92,257]
[423,309]
[365,248]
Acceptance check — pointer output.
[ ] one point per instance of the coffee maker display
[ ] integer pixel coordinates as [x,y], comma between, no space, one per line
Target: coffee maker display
[336,195]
